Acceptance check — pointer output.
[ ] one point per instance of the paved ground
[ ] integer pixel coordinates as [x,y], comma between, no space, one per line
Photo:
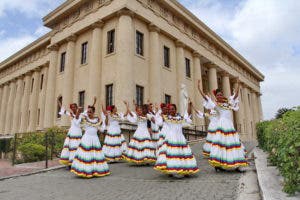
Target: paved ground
[125,182]
[6,169]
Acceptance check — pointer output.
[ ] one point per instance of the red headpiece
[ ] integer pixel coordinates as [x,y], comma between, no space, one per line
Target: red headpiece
[109,108]
[162,105]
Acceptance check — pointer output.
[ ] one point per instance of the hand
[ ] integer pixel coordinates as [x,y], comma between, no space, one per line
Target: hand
[95,98]
[126,103]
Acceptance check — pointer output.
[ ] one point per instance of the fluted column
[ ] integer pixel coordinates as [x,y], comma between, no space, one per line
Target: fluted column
[33,105]
[239,115]
[17,107]
[212,77]
[155,89]
[25,104]
[43,98]
[50,102]
[95,67]
[254,110]
[261,115]
[69,77]
[9,108]
[1,94]
[247,121]
[180,70]
[226,84]
[198,99]
[125,53]
[3,108]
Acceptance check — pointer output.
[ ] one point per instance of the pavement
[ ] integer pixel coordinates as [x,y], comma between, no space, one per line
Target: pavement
[129,182]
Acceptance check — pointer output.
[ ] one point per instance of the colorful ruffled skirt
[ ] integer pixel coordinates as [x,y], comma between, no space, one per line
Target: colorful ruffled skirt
[71,144]
[89,160]
[208,141]
[227,151]
[175,156]
[141,149]
[114,144]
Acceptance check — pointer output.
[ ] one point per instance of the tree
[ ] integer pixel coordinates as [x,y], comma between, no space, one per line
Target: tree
[281,112]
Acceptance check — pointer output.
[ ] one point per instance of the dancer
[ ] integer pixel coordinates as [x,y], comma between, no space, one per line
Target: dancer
[114,143]
[176,157]
[89,159]
[154,128]
[141,149]
[226,150]
[164,126]
[73,136]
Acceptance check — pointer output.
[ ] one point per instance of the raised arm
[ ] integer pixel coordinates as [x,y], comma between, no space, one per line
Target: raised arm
[127,109]
[190,105]
[134,104]
[200,91]
[237,89]
[95,100]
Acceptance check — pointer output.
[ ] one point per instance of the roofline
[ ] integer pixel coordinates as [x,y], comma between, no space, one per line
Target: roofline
[217,38]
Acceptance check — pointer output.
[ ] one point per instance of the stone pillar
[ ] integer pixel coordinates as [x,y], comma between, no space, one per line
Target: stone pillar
[33,105]
[95,67]
[17,106]
[43,97]
[254,110]
[155,88]
[198,99]
[25,104]
[3,107]
[50,102]
[69,77]
[9,108]
[247,121]
[212,77]
[125,54]
[1,94]
[180,70]
[226,84]
[261,115]
[239,115]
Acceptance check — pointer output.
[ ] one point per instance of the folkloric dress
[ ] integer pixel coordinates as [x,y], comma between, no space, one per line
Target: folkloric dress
[72,140]
[89,158]
[211,130]
[226,150]
[175,156]
[141,149]
[154,129]
[114,143]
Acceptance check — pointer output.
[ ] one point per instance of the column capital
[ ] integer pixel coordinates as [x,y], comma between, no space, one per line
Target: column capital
[178,43]
[71,38]
[153,28]
[210,65]
[53,47]
[224,73]
[97,24]
[196,54]
[125,11]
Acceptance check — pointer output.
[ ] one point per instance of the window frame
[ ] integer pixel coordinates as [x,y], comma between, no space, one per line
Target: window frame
[110,45]
[84,53]
[139,43]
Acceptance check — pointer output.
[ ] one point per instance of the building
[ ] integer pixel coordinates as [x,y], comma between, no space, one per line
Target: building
[116,50]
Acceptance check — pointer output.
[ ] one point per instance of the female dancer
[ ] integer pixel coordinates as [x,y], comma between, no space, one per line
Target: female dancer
[114,143]
[153,125]
[141,149]
[226,150]
[73,136]
[176,157]
[89,159]
[164,126]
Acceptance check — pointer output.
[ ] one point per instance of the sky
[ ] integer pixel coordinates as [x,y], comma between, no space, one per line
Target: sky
[265,32]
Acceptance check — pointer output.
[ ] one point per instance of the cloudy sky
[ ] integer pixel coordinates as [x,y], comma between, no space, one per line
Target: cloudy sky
[266,33]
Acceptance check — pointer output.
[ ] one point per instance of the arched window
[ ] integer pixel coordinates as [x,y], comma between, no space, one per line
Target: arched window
[59,99]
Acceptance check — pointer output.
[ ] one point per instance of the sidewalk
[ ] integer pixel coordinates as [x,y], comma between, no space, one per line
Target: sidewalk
[7,170]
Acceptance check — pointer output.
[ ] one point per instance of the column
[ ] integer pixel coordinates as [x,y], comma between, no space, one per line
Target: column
[1,94]
[25,104]
[95,67]
[261,115]
[246,112]
[239,115]
[50,102]
[155,89]
[180,71]
[226,84]
[33,105]
[198,99]
[212,77]
[43,97]
[17,107]
[3,108]
[254,110]
[9,108]
[124,89]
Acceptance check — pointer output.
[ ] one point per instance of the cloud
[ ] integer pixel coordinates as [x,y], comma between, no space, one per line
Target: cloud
[266,33]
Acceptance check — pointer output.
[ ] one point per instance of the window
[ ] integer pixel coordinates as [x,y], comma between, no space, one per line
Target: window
[139,95]
[32,82]
[167,99]
[109,94]
[38,117]
[81,98]
[139,43]
[111,41]
[187,67]
[84,49]
[42,81]
[62,62]
[166,57]
[60,99]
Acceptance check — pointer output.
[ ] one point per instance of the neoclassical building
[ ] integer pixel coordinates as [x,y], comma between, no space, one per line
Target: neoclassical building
[121,50]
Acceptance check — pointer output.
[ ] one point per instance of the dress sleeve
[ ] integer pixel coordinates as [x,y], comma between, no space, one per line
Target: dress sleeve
[234,103]
[209,104]
[63,111]
[132,119]
[102,127]
[200,114]
[122,117]
[159,120]
[187,119]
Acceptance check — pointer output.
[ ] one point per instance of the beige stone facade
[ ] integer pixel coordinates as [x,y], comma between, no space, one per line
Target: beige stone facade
[93,50]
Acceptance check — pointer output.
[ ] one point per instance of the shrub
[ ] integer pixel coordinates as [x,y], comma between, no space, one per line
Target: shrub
[32,152]
[281,138]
